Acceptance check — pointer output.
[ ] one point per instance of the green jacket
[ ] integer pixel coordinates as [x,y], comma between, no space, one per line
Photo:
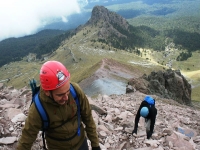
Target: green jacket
[57,114]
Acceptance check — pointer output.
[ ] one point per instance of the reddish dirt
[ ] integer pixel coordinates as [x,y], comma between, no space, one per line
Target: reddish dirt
[111,70]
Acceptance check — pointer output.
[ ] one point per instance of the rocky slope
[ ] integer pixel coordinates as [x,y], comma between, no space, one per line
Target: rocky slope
[177,126]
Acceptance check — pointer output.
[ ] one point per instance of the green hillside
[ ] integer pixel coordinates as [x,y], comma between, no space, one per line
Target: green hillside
[14,49]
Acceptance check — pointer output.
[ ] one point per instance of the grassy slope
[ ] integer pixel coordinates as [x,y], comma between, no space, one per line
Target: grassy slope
[87,55]
[86,61]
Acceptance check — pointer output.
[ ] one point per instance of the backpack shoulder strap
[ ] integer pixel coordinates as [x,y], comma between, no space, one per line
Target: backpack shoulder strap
[73,92]
[42,112]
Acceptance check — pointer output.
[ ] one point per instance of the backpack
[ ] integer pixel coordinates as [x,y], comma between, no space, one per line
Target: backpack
[150,100]
[43,114]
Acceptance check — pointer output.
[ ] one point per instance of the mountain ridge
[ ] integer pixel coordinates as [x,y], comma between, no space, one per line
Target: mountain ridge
[110,78]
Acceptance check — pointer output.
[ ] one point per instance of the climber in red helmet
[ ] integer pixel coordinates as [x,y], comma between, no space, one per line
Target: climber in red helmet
[58,102]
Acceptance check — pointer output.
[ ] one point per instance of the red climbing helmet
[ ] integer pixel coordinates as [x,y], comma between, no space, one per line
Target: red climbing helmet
[53,75]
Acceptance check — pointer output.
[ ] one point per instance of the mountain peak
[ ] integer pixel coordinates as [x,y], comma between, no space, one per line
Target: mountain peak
[102,15]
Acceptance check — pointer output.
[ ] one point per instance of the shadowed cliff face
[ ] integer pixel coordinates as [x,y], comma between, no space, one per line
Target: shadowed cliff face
[169,84]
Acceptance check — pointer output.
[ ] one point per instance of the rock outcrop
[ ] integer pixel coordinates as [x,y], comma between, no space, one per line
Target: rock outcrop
[177,126]
[100,13]
[110,23]
[170,84]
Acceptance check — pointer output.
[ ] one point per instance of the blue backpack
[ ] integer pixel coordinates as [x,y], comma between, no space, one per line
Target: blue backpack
[43,114]
[149,100]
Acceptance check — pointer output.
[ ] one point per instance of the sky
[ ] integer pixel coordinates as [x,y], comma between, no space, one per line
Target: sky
[23,17]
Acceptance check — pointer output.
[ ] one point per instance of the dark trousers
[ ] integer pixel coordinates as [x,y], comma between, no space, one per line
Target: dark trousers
[84,146]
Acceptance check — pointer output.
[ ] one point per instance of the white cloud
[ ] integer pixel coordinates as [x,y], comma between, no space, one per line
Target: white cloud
[64,19]
[24,17]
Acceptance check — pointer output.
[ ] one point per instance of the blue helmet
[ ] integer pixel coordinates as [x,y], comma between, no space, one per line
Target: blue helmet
[144,112]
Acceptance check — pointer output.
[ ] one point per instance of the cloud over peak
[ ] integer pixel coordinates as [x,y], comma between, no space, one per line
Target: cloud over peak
[24,17]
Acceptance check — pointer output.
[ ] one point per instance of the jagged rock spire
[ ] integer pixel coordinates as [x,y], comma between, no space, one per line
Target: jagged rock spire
[100,13]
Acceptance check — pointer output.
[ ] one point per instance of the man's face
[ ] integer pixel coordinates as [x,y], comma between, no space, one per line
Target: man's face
[61,94]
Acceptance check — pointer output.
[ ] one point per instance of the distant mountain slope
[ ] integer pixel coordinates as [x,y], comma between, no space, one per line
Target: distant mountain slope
[117,32]
[13,49]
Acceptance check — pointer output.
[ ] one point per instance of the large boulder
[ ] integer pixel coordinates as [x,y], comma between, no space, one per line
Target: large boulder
[170,84]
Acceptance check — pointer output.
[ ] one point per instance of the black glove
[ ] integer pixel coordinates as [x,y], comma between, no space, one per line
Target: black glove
[96,148]
[134,131]
[149,134]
